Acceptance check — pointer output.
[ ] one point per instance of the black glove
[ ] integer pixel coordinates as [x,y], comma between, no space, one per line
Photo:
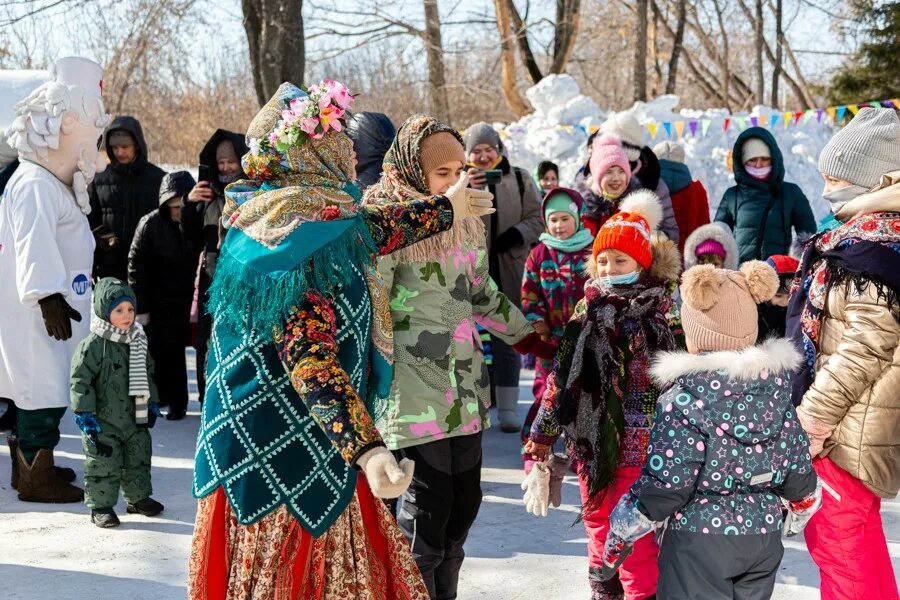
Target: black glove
[508,240]
[104,450]
[57,312]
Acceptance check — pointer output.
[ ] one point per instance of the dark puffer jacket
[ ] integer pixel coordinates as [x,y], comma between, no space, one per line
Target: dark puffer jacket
[762,213]
[726,443]
[372,134]
[120,196]
[162,263]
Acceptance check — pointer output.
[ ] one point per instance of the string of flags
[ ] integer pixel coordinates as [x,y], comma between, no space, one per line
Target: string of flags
[694,127]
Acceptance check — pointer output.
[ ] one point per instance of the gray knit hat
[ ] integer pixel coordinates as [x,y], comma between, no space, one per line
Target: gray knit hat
[482,133]
[864,150]
[669,150]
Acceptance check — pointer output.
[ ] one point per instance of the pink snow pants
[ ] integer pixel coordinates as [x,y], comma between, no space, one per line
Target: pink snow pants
[846,539]
[639,572]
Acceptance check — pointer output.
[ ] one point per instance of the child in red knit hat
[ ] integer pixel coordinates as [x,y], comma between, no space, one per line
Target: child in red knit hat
[601,393]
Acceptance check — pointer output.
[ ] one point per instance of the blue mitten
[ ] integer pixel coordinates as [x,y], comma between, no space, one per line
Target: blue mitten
[89,426]
[153,413]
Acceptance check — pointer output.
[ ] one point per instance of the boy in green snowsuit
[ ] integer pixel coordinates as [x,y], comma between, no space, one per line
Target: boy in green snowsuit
[114,399]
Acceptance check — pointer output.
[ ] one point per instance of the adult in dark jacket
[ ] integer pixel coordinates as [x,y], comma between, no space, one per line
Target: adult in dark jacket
[161,269]
[372,134]
[123,193]
[762,208]
[220,164]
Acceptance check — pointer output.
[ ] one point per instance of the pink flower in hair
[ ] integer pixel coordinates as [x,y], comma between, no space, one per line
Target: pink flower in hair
[309,125]
[341,94]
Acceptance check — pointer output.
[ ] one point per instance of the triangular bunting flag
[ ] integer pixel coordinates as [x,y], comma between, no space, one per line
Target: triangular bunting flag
[705,127]
[773,120]
[754,121]
[742,122]
[853,108]
[841,111]
[819,112]
[895,102]
[668,127]
[679,128]
[787,118]
[726,124]
[832,112]
[887,104]
[651,127]
[797,116]
[693,125]
[593,129]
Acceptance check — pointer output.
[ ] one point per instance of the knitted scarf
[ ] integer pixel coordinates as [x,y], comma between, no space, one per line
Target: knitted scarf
[580,240]
[138,382]
[590,403]
[863,251]
[404,181]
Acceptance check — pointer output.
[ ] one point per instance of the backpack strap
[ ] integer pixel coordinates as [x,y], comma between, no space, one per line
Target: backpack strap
[521,183]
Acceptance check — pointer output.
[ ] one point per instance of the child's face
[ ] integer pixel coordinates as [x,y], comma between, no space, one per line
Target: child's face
[613,182]
[549,180]
[561,225]
[781,300]
[122,315]
[711,259]
[441,178]
[615,262]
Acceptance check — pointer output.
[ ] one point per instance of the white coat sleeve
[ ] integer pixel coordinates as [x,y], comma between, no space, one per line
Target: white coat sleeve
[40,271]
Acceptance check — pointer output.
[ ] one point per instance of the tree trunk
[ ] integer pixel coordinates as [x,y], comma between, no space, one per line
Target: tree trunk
[521,32]
[723,63]
[677,46]
[275,37]
[779,42]
[568,14]
[434,50]
[640,52]
[758,26]
[508,61]
[653,43]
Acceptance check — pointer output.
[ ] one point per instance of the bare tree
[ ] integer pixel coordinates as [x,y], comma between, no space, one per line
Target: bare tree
[640,52]
[678,46]
[760,42]
[508,81]
[277,48]
[434,51]
[779,42]
[565,31]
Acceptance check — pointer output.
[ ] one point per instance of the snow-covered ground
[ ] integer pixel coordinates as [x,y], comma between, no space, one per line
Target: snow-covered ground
[52,552]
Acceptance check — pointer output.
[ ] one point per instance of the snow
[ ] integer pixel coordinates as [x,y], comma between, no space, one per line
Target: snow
[53,552]
[15,86]
[558,129]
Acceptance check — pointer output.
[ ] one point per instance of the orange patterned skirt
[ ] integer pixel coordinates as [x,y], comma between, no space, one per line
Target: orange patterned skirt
[362,556]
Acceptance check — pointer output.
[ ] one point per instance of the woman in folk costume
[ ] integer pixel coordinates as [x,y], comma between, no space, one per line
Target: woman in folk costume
[299,366]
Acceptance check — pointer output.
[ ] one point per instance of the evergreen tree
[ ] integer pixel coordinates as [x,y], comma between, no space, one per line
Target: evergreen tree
[874,72]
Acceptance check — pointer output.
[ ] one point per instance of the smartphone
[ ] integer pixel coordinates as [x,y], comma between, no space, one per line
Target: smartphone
[493,176]
[204,173]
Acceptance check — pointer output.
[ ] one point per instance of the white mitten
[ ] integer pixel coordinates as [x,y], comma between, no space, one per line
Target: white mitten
[386,478]
[799,512]
[467,202]
[537,490]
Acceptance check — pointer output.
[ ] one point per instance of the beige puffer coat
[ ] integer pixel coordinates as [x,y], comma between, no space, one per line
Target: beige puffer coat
[857,383]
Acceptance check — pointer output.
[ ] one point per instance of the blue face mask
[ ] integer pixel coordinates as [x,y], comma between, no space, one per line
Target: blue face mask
[626,279]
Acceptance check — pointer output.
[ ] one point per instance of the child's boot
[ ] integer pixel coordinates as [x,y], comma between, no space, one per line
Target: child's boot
[507,403]
[104,517]
[147,507]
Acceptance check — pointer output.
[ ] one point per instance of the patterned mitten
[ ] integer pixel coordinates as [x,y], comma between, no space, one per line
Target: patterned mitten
[89,426]
[627,525]
[537,490]
[559,466]
[801,511]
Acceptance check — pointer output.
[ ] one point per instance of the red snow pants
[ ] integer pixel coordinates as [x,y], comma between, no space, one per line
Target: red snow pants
[639,572]
[846,539]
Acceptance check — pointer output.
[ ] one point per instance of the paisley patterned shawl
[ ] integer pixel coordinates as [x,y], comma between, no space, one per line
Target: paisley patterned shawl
[404,181]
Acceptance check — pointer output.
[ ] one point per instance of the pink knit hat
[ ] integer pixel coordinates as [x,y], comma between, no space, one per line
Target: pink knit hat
[711,247]
[607,152]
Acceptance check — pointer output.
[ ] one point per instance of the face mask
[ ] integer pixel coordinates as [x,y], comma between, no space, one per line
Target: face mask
[228,178]
[842,196]
[626,279]
[758,172]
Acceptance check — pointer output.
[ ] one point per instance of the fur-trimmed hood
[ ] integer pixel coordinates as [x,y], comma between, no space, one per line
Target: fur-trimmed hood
[718,232]
[666,262]
[773,356]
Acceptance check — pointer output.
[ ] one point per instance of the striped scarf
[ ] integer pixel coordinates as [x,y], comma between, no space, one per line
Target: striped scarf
[138,381]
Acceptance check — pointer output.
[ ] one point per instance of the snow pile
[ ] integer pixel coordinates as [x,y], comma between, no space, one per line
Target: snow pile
[558,129]
[15,86]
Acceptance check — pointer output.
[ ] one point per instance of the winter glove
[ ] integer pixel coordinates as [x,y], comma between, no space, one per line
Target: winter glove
[104,239]
[559,466]
[152,413]
[89,426]
[467,202]
[627,525]
[537,490]
[801,511]
[508,240]
[386,478]
[57,313]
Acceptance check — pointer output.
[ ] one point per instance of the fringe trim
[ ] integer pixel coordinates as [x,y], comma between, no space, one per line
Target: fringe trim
[468,230]
[243,297]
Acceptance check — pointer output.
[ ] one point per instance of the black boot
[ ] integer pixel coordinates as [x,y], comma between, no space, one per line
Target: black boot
[104,517]
[147,507]
[175,414]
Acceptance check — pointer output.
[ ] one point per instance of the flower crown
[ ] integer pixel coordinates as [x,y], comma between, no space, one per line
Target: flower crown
[322,109]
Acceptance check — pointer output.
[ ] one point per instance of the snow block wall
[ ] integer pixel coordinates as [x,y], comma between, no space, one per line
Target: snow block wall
[558,129]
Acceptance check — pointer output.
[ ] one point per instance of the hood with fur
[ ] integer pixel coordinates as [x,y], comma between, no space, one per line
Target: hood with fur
[712,231]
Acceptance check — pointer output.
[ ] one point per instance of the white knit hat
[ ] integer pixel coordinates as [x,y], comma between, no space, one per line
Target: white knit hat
[755,148]
[867,148]
[669,150]
[625,126]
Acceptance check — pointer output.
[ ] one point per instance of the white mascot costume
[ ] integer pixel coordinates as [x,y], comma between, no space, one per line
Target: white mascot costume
[46,254]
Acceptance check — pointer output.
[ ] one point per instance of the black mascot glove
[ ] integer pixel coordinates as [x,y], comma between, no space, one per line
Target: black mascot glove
[57,313]
[509,239]
[104,450]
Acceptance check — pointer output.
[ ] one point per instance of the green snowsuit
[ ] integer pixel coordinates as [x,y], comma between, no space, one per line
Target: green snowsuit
[99,385]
